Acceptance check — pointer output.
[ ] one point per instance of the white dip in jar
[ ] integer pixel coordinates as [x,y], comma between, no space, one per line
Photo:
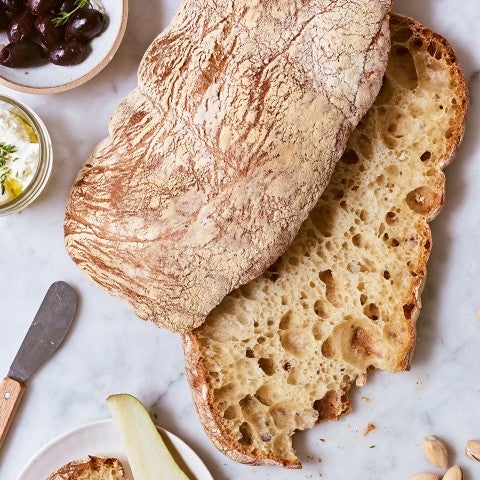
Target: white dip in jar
[19,155]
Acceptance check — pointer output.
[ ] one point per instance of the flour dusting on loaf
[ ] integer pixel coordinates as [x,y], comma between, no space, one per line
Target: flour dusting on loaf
[242,110]
[281,353]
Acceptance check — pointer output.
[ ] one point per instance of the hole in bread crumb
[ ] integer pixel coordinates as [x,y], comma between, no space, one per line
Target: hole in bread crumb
[417,43]
[407,310]
[391,218]
[250,353]
[285,321]
[246,434]
[350,157]
[318,309]
[363,299]
[293,261]
[327,349]
[264,395]
[449,133]
[357,240]
[422,200]
[322,219]
[431,49]
[230,413]
[365,146]
[372,311]
[426,156]
[402,64]
[402,35]
[267,365]
[330,287]
[386,275]
[261,340]
[273,276]
[317,332]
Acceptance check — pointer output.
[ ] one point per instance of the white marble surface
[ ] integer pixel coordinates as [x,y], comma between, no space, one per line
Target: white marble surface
[109,350]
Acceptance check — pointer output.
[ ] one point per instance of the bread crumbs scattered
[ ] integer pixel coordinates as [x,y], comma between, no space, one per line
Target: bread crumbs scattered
[478,314]
[366,399]
[369,428]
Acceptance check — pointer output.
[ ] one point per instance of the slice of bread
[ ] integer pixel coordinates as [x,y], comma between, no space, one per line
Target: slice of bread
[92,468]
[281,353]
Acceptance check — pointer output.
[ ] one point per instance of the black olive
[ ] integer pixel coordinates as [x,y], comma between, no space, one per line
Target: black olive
[47,32]
[3,17]
[68,6]
[22,55]
[21,27]
[67,53]
[13,6]
[39,7]
[84,24]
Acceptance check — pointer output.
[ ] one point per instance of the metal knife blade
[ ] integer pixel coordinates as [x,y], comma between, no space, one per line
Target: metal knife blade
[47,331]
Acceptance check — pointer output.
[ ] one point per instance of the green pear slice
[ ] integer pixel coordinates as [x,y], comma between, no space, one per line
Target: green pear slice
[147,453]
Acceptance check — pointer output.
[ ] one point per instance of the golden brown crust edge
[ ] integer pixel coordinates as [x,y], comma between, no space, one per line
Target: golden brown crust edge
[78,468]
[458,129]
[202,393]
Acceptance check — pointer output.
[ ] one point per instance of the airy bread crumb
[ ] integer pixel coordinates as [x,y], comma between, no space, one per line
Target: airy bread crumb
[281,353]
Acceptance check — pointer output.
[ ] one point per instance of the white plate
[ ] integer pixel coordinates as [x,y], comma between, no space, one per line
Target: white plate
[99,438]
[50,78]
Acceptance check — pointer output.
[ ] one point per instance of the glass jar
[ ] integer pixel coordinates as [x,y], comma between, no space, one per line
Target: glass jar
[44,166]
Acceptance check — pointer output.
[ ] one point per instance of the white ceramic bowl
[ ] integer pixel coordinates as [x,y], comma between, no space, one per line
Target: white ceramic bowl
[50,78]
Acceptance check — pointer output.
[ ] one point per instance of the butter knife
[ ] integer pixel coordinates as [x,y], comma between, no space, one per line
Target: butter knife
[46,333]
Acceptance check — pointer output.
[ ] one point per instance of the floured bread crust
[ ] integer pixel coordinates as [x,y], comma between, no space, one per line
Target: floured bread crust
[281,353]
[242,110]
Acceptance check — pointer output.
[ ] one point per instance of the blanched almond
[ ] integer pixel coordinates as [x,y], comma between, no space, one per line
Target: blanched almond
[435,451]
[472,449]
[425,476]
[454,473]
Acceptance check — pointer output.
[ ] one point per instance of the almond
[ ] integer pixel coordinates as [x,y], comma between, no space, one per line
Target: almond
[425,476]
[472,449]
[435,451]
[454,473]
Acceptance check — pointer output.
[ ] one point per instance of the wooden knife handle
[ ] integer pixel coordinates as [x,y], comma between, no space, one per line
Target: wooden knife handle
[11,392]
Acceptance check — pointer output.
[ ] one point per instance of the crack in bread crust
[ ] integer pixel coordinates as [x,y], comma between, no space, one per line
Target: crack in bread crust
[281,353]
[242,110]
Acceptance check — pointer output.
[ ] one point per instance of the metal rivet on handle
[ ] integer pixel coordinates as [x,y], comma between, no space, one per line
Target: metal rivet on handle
[8,396]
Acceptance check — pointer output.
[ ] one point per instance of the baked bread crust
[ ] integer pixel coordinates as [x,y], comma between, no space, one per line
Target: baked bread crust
[215,160]
[92,468]
[242,363]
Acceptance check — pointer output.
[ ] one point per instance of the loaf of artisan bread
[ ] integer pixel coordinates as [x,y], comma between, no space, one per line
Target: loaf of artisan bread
[242,110]
[281,353]
[92,468]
